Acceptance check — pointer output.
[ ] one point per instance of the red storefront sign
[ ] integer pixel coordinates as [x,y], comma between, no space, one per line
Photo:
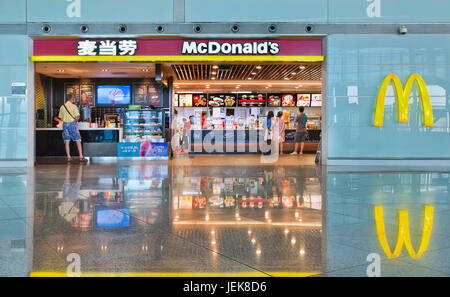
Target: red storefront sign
[139,50]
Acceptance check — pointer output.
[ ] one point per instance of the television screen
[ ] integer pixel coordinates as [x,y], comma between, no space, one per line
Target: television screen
[112,218]
[113,94]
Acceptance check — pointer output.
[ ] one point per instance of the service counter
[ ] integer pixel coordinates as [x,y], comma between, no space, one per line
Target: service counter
[97,142]
[244,141]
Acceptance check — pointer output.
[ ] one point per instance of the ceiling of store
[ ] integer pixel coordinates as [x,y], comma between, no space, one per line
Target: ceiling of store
[96,70]
[268,77]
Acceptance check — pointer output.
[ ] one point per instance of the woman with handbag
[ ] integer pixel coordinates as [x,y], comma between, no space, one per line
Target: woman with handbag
[282,130]
[69,115]
[270,123]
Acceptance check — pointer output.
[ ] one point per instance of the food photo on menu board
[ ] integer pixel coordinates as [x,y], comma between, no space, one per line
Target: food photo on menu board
[252,100]
[153,96]
[87,95]
[274,100]
[73,90]
[288,100]
[140,94]
[185,100]
[303,99]
[199,100]
[216,100]
[316,100]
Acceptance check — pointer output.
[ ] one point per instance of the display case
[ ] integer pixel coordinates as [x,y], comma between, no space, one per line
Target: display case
[141,125]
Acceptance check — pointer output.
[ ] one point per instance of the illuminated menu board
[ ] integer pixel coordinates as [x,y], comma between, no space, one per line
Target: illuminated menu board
[316,100]
[274,100]
[217,100]
[303,99]
[252,100]
[288,100]
[185,100]
[199,100]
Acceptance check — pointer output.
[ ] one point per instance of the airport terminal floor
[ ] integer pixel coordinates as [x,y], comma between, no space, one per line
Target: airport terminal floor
[222,217]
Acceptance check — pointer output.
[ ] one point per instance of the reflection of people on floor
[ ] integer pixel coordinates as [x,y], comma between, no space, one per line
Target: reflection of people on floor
[268,184]
[279,180]
[70,204]
[299,190]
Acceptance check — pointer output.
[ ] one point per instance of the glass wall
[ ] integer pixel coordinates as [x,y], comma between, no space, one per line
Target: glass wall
[357,66]
[13,103]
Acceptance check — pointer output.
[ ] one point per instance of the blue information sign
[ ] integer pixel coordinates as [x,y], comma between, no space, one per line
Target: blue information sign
[143,149]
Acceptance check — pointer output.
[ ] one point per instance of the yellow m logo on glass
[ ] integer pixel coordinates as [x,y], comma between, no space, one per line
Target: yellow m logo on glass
[402,95]
[403,235]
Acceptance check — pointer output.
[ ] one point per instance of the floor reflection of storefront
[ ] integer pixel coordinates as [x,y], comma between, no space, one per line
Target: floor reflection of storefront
[118,218]
[270,217]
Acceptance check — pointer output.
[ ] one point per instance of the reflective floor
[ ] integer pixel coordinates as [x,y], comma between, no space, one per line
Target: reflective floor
[191,217]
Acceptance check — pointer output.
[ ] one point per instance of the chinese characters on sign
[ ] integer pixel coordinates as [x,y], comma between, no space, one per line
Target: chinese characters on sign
[107,48]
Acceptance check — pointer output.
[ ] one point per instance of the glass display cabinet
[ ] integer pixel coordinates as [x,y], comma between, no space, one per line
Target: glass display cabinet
[141,125]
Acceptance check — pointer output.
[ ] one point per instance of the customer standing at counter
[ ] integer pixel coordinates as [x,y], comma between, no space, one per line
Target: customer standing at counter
[300,131]
[69,114]
[282,130]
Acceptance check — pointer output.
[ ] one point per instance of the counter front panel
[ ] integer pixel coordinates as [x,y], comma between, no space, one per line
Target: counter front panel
[96,142]
[244,141]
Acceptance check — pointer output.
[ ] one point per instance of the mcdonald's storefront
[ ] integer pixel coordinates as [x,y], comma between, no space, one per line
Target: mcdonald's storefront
[385,98]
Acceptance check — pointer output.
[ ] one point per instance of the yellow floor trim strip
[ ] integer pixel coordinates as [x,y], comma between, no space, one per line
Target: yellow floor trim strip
[173,274]
[175,58]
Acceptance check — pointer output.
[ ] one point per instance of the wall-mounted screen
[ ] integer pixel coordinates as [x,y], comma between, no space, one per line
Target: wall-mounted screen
[199,100]
[146,94]
[316,100]
[288,100]
[185,100]
[303,99]
[252,100]
[113,94]
[274,100]
[227,100]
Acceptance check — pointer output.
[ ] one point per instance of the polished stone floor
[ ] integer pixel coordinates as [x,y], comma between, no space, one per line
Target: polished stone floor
[224,216]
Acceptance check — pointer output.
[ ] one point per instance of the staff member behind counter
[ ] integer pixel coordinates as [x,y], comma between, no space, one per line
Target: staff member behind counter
[69,114]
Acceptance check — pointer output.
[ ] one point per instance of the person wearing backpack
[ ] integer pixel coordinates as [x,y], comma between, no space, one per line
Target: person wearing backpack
[300,131]
[69,114]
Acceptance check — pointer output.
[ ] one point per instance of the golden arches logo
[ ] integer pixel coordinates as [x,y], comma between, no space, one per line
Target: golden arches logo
[403,235]
[402,95]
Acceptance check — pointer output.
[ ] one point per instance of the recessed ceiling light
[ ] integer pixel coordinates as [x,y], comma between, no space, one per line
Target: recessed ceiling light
[213,72]
[249,78]
[213,78]
[286,78]
[215,67]
[237,87]
[258,67]
[253,73]
[302,67]
[294,73]
[267,87]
